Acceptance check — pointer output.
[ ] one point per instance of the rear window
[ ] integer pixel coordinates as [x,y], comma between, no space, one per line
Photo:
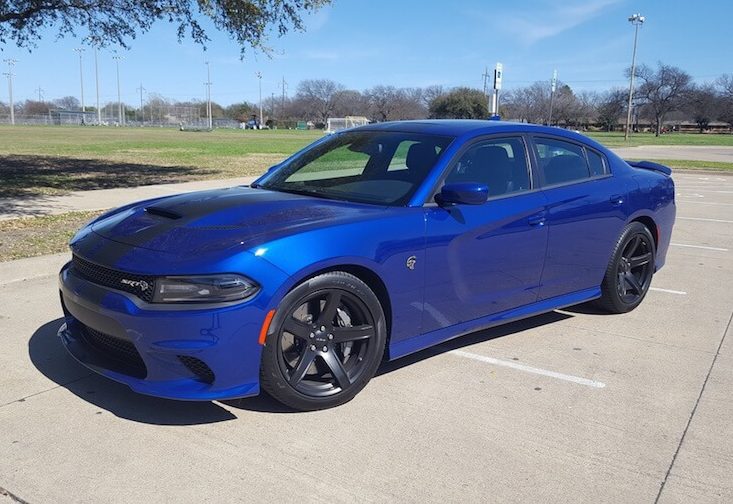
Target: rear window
[596,163]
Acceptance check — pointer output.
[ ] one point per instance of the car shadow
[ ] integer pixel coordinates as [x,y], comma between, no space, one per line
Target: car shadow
[49,356]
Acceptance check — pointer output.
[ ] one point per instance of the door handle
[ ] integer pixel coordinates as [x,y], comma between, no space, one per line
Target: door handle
[616,200]
[537,219]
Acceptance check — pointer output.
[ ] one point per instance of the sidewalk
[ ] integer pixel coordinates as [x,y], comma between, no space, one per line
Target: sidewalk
[11,208]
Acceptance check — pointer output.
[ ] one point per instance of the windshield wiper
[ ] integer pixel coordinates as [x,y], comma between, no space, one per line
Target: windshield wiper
[318,193]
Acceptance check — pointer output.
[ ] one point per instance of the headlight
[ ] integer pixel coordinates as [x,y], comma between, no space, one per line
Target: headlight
[204,289]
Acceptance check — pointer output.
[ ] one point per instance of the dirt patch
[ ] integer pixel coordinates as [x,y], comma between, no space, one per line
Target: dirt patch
[35,236]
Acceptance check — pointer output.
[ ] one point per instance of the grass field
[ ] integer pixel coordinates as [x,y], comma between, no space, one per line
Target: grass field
[53,160]
[616,139]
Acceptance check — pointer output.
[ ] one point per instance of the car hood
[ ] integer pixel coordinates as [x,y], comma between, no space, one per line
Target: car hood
[216,220]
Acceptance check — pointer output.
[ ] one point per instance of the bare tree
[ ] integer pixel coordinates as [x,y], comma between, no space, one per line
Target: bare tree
[611,107]
[725,87]
[702,104]
[350,103]
[68,103]
[319,97]
[662,90]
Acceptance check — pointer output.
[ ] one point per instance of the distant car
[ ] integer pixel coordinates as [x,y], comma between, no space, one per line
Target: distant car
[370,244]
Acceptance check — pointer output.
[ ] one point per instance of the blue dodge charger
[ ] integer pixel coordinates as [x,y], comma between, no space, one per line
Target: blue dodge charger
[368,245]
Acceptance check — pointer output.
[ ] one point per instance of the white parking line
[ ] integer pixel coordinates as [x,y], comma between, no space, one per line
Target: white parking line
[704,247]
[706,220]
[668,291]
[528,369]
[697,202]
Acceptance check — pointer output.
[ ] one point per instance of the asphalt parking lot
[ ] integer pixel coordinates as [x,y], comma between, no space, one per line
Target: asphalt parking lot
[571,406]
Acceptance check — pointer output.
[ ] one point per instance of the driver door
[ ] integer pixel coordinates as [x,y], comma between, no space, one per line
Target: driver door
[488,258]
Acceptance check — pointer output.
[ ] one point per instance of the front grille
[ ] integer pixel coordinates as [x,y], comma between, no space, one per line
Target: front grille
[198,367]
[108,277]
[117,349]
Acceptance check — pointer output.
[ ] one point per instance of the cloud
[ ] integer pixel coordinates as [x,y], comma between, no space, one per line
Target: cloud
[550,21]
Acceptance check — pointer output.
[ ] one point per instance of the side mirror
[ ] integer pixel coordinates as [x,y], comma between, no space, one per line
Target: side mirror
[464,193]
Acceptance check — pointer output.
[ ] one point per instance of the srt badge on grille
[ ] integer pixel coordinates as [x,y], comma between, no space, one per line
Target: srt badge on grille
[136,283]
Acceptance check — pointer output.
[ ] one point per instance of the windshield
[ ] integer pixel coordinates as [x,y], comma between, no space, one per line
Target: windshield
[379,167]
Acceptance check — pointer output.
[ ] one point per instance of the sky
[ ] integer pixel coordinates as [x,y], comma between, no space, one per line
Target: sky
[404,43]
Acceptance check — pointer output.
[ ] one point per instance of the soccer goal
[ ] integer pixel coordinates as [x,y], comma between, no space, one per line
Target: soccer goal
[339,123]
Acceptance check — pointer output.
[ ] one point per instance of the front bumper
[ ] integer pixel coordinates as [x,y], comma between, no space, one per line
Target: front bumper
[174,352]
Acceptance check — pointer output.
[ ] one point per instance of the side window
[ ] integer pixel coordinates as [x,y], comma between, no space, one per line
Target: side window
[561,161]
[500,163]
[596,163]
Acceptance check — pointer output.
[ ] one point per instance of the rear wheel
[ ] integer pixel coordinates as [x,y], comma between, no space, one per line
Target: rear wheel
[325,344]
[629,273]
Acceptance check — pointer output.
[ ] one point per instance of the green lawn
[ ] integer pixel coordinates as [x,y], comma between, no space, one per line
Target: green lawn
[51,160]
[616,139]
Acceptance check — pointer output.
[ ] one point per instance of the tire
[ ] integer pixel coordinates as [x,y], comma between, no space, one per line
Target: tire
[325,342]
[630,270]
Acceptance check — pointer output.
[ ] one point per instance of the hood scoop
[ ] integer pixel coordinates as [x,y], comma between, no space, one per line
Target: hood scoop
[162,212]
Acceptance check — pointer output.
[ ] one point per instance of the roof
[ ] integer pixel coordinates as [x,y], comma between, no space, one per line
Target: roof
[475,127]
[453,127]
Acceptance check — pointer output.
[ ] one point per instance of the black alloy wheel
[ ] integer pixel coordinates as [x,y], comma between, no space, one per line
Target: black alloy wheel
[325,343]
[630,271]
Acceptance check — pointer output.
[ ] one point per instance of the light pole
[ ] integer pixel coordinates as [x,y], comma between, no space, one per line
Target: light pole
[119,94]
[208,95]
[96,78]
[142,110]
[11,63]
[80,50]
[637,20]
[259,77]
[553,86]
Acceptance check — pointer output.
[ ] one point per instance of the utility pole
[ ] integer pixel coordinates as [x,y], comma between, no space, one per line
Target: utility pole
[553,86]
[11,63]
[637,20]
[39,90]
[120,118]
[80,50]
[489,100]
[259,76]
[208,95]
[96,78]
[142,110]
[282,104]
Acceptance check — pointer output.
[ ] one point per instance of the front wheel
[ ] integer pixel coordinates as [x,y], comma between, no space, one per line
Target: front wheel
[325,344]
[629,273]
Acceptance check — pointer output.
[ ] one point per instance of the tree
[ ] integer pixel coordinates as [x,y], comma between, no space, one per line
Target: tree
[115,23]
[702,104]
[460,103]
[68,103]
[349,103]
[33,107]
[725,87]
[662,90]
[611,107]
[318,96]
[241,111]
